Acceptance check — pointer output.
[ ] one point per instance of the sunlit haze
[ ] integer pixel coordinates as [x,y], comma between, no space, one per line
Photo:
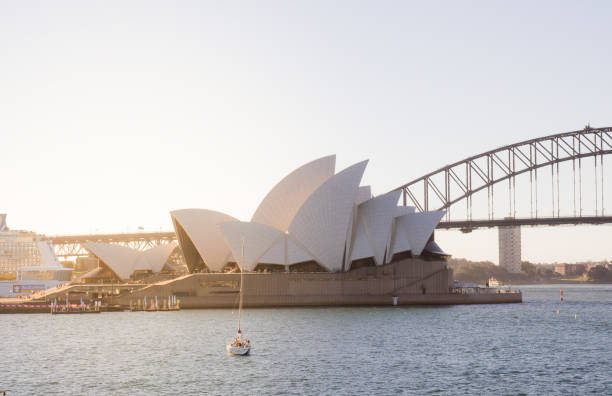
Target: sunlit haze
[112,114]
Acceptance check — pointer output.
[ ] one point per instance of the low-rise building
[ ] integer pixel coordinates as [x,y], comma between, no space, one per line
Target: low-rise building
[570,269]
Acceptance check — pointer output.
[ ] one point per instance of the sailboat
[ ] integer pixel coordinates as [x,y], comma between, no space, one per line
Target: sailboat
[240,346]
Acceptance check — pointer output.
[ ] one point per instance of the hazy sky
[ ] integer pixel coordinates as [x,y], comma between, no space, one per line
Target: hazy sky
[114,113]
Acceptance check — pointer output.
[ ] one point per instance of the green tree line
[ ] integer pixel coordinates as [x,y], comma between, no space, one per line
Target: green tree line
[480,271]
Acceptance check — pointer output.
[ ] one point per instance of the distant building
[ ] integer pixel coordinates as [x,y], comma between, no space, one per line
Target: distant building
[24,249]
[30,257]
[510,248]
[589,266]
[570,269]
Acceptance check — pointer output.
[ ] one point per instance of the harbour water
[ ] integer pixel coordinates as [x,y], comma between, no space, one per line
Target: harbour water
[525,348]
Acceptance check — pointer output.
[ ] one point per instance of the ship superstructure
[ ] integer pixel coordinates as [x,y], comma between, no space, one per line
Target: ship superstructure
[30,259]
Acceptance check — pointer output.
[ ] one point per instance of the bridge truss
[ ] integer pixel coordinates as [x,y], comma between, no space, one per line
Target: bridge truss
[460,181]
[72,245]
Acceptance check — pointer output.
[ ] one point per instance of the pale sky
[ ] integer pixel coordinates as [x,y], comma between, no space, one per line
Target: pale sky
[114,113]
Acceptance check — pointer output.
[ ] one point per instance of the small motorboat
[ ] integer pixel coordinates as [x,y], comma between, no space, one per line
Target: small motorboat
[492,282]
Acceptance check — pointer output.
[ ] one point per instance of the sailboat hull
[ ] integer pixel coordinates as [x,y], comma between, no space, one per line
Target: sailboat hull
[236,350]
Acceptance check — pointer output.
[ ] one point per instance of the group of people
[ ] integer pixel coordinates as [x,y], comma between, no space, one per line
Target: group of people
[239,342]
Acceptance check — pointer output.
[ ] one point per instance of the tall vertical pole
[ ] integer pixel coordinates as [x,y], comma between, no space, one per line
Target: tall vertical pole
[241,285]
[535,159]
[595,160]
[509,184]
[531,180]
[446,194]
[488,187]
[574,169]
[552,177]
[467,183]
[426,194]
[602,171]
[491,178]
[580,175]
[513,182]
[558,193]
[469,188]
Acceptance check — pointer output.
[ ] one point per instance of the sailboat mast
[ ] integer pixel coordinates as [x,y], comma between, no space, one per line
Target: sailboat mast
[241,283]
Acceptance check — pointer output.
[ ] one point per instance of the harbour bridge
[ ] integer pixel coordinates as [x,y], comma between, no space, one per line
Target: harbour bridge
[545,164]
[72,245]
[537,167]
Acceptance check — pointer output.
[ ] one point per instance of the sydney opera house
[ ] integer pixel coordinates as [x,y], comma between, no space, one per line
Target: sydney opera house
[317,238]
[313,220]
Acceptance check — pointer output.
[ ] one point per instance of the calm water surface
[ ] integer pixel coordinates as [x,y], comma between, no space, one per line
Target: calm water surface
[482,349]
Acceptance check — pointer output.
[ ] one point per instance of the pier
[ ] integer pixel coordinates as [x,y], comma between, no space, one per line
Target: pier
[171,303]
[59,309]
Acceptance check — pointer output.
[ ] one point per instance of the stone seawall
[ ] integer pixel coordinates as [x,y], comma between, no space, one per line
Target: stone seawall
[345,301]
[413,281]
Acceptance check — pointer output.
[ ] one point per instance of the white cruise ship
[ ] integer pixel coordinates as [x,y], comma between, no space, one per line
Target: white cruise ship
[29,258]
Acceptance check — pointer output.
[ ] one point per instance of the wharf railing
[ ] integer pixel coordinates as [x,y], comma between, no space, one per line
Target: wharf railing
[482,290]
[168,303]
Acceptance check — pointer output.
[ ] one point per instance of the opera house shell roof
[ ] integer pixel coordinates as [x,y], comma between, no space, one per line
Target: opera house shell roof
[313,215]
[123,261]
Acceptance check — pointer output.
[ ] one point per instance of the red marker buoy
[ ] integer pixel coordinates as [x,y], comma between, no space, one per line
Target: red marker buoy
[561,294]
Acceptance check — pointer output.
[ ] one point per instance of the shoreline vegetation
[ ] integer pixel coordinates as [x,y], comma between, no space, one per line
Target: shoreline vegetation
[480,271]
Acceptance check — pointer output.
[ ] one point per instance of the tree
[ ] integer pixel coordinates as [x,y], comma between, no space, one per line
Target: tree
[528,268]
[600,274]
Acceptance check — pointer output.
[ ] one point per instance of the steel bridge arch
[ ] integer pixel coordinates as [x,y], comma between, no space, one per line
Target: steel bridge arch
[512,160]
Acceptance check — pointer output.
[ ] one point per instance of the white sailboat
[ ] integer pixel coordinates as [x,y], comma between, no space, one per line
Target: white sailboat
[240,346]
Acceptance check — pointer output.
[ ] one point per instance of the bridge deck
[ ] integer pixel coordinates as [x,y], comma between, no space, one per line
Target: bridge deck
[572,220]
[122,237]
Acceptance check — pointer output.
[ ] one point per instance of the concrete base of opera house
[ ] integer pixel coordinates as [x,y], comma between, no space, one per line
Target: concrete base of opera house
[353,300]
[411,281]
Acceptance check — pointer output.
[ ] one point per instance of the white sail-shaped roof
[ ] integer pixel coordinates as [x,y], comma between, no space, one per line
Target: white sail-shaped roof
[2,221]
[296,253]
[257,239]
[47,255]
[397,244]
[321,224]
[374,224]
[281,204]
[364,193]
[361,246]
[418,227]
[154,258]
[433,247]
[310,215]
[201,226]
[123,261]
[276,254]
[350,231]
[120,259]
[285,251]
[400,241]
[404,210]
